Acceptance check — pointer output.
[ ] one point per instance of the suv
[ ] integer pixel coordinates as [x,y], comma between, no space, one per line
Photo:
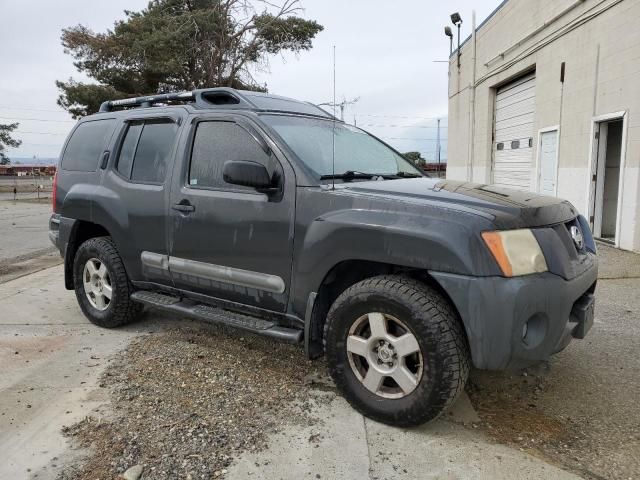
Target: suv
[269,215]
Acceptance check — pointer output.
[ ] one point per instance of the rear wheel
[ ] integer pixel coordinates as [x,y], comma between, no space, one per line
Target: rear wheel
[101,284]
[396,350]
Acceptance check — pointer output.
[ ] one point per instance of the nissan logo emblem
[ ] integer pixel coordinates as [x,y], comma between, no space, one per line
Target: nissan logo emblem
[577,237]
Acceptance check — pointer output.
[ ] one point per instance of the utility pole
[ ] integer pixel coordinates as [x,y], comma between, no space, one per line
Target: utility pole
[438,145]
[342,104]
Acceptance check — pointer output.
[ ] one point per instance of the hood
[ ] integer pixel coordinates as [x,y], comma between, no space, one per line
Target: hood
[505,207]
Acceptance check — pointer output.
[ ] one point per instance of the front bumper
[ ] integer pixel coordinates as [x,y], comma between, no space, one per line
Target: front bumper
[495,310]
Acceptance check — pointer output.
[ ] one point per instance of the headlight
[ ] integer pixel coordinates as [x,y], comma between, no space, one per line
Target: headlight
[516,251]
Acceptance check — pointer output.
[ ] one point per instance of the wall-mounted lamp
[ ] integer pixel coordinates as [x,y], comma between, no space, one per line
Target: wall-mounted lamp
[456,19]
[449,33]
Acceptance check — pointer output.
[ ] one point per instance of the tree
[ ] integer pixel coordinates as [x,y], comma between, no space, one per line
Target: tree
[176,45]
[6,140]
[415,158]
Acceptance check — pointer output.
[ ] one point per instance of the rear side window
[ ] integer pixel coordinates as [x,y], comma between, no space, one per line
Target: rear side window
[128,149]
[216,143]
[86,145]
[146,150]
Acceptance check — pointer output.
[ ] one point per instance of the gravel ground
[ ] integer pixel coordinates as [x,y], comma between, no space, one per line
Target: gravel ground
[186,402]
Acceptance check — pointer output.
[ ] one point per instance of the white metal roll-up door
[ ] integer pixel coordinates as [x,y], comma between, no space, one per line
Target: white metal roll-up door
[513,131]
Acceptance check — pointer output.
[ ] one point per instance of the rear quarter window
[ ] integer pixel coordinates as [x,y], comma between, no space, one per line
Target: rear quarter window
[86,144]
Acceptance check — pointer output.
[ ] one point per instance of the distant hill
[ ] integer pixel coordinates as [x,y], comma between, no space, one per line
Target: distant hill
[33,161]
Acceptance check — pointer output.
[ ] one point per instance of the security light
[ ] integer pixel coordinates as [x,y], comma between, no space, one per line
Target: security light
[456,19]
[449,33]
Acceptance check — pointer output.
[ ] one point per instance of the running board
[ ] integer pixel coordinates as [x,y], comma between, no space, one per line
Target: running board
[208,313]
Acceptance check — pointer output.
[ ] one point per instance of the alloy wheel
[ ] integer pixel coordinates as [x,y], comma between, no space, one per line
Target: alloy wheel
[97,284]
[384,355]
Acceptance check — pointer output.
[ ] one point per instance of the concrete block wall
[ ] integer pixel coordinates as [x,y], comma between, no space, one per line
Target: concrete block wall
[601,52]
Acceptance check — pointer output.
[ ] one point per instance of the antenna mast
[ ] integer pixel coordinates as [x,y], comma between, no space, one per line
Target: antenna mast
[333,136]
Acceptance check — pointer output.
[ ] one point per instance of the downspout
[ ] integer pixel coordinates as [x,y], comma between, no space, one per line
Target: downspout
[472,98]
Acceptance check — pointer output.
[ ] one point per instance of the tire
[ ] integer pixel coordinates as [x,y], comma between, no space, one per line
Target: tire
[108,312]
[437,369]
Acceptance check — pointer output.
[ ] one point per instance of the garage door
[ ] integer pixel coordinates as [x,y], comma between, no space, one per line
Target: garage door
[513,130]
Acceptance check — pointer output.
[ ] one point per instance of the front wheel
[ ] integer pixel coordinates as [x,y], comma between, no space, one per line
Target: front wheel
[396,350]
[101,284]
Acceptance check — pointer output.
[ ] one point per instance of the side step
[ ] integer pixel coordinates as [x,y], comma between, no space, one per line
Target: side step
[212,314]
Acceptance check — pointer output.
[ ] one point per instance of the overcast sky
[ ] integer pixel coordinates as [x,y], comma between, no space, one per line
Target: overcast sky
[385,57]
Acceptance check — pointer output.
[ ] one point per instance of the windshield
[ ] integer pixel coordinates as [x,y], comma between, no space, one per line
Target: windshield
[356,151]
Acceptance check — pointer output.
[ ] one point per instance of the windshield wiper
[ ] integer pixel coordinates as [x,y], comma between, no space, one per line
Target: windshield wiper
[356,175]
[349,175]
[408,175]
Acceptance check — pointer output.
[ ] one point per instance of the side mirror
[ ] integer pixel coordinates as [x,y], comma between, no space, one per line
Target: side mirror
[248,174]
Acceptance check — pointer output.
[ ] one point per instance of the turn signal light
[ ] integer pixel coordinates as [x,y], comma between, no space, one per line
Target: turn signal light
[517,252]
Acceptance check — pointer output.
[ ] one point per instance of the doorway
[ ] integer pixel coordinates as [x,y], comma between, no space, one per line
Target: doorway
[548,161]
[605,178]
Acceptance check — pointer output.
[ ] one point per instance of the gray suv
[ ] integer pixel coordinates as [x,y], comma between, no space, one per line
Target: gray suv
[269,215]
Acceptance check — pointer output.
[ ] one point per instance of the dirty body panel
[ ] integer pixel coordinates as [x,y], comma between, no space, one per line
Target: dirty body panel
[271,253]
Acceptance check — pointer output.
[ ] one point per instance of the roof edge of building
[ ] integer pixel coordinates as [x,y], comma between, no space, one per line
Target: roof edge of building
[489,17]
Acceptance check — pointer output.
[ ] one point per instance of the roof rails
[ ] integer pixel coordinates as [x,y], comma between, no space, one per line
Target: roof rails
[221,97]
[147,101]
[203,98]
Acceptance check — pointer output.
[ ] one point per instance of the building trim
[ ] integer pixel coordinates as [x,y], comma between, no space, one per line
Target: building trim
[491,15]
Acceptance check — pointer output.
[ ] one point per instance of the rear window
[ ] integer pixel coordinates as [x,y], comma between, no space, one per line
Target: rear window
[146,150]
[86,144]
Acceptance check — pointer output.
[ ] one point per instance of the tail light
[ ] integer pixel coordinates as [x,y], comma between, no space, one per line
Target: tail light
[54,191]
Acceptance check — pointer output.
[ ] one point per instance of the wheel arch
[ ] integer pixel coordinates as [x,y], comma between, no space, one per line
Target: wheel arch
[342,276]
[81,231]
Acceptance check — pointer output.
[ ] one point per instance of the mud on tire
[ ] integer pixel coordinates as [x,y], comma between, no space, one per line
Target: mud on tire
[120,309]
[442,343]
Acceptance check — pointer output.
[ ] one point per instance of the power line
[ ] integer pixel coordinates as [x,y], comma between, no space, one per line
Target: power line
[39,145]
[41,133]
[394,116]
[401,126]
[9,107]
[411,138]
[36,120]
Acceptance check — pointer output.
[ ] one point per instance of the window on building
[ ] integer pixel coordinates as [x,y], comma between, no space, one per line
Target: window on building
[146,150]
[216,143]
[86,145]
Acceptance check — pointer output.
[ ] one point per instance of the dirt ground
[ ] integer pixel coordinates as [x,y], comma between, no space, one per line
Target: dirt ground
[162,392]
[186,400]
[580,410]
[53,379]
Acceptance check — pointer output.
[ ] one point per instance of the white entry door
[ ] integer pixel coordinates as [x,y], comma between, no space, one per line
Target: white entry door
[548,154]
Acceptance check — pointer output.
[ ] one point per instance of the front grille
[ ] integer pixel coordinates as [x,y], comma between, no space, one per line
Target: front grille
[574,224]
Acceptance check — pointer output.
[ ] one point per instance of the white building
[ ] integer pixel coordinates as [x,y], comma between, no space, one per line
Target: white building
[547,99]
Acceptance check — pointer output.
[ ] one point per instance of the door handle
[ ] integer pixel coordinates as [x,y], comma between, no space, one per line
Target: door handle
[183,207]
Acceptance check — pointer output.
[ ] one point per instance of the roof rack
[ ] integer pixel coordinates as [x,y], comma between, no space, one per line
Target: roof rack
[224,97]
[147,101]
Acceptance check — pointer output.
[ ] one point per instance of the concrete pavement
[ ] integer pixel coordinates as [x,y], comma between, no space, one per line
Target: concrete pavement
[343,444]
[25,228]
[52,358]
